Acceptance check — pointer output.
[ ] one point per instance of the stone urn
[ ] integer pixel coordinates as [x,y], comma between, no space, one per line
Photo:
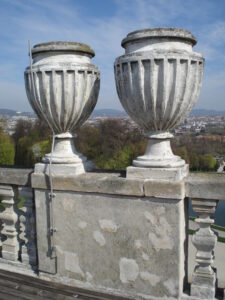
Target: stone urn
[158,82]
[63,89]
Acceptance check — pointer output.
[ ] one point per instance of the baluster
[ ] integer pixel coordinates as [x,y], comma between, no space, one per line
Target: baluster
[27,227]
[10,246]
[204,240]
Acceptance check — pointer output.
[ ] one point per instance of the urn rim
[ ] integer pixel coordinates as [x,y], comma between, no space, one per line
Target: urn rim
[151,33]
[65,46]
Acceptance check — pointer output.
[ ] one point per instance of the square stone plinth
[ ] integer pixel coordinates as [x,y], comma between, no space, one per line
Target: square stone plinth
[123,245]
[169,174]
[63,169]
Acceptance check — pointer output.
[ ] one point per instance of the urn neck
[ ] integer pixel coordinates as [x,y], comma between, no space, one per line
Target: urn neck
[71,52]
[152,44]
[159,39]
[60,57]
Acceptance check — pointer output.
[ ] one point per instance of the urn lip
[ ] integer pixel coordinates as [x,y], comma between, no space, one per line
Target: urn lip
[151,33]
[57,46]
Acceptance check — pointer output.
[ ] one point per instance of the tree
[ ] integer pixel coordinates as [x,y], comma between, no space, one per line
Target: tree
[207,162]
[7,151]
[194,161]
[31,142]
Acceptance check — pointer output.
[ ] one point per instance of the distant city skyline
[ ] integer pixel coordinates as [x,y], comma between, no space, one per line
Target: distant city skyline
[102,25]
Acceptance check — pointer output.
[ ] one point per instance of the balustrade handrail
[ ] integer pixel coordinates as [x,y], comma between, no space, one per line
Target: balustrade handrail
[15,176]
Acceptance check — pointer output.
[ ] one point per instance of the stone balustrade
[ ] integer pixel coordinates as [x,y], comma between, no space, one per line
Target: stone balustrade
[118,198]
[17,218]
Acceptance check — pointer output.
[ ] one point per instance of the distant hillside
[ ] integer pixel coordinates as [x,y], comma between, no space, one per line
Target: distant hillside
[119,113]
[108,113]
[10,113]
[112,113]
[206,112]
[7,112]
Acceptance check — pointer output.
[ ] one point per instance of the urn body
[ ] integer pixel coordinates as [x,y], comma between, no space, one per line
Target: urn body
[63,88]
[158,82]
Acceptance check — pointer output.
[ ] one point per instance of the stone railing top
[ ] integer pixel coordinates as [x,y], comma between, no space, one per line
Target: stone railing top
[112,183]
[206,186]
[15,176]
[196,185]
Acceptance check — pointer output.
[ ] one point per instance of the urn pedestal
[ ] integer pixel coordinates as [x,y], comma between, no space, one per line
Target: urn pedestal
[158,82]
[62,87]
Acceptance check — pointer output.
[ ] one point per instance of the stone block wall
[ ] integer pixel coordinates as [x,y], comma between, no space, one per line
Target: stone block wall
[113,238]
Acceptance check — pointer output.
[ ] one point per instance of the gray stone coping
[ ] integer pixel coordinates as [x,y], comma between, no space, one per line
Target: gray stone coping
[15,176]
[111,183]
[170,33]
[63,46]
[196,185]
[206,186]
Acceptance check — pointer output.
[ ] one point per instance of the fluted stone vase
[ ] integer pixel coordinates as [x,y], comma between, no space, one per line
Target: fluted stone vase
[158,82]
[63,92]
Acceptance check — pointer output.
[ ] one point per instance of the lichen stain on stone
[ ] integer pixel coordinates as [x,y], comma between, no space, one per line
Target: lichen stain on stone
[108,225]
[171,286]
[145,256]
[99,238]
[160,210]
[149,217]
[160,234]
[129,270]
[82,224]
[137,244]
[72,263]
[37,204]
[151,278]
[161,240]
[68,206]
[89,277]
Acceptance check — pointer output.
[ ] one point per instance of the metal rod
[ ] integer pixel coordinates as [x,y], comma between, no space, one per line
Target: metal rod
[51,194]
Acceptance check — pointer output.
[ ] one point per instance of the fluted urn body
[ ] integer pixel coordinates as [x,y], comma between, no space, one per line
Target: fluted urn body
[62,87]
[158,82]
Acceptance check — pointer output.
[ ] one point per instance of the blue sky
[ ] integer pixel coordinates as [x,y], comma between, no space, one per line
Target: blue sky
[103,24]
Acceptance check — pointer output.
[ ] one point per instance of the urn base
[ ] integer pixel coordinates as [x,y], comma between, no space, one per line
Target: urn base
[64,169]
[145,162]
[64,151]
[158,153]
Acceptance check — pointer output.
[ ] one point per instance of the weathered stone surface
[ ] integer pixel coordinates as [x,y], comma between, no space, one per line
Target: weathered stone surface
[164,189]
[43,227]
[93,182]
[126,245]
[205,186]
[14,287]
[27,231]
[15,176]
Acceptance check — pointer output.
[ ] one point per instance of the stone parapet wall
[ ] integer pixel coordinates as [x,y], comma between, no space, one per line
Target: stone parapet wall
[110,234]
